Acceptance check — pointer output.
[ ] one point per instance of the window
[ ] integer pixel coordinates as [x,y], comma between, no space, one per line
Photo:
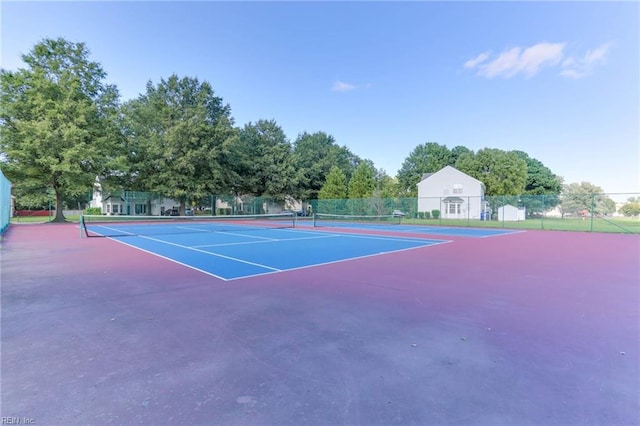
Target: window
[116,208]
[108,208]
[454,208]
[141,209]
[457,188]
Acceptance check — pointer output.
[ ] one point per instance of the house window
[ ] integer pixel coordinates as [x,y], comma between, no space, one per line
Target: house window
[454,208]
[141,208]
[108,208]
[457,188]
[116,208]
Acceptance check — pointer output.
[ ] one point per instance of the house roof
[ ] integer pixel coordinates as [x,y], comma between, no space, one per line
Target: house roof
[452,200]
[428,175]
[424,176]
[113,196]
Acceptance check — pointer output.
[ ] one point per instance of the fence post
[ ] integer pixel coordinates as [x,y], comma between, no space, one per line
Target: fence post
[593,211]
[544,206]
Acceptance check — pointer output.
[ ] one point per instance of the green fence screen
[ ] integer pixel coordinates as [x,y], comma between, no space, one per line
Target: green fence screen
[5,202]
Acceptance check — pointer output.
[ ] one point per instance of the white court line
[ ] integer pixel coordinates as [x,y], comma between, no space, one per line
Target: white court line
[113,229]
[504,233]
[172,260]
[425,243]
[225,232]
[271,240]
[371,236]
[341,260]
[212,254]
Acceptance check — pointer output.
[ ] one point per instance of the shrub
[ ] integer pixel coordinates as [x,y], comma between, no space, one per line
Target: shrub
[427,215]
[92,211]
[435,213]
[420,215]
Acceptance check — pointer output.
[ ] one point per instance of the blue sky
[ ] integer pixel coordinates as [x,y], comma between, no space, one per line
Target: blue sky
[558,80]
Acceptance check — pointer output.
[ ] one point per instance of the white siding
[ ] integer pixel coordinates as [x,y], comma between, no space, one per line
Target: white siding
[511,213]
[450,183]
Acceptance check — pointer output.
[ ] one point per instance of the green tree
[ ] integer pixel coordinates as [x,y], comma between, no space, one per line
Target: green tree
[383,197]
[180,134]
[502,172]
[457,152]
[630,209]
[362,183]
[387,186]
[542,186]
[361,188]
[57,122]
[335,187]
[314,155]
[427,158]
[263,160]
[581,198]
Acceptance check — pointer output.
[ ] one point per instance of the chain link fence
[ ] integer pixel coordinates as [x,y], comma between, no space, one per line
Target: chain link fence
[6,205]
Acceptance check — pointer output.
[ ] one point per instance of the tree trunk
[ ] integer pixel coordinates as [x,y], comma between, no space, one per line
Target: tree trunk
[59,206]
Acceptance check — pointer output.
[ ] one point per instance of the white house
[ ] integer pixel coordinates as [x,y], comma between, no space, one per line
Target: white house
[509,213]
[455,194]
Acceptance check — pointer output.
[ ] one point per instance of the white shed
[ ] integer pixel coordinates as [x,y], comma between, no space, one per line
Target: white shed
[511,213]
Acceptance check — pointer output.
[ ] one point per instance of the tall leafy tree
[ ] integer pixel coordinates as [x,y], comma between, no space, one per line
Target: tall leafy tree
[362,183]
[457,152]
[630,208]
[361,186]
[585,197]
[540,179]
[57,121]
[335,186]
[263,160]
[502,172]
[314,155]
[179,138]
[427,158]
[387,186]
[542,186]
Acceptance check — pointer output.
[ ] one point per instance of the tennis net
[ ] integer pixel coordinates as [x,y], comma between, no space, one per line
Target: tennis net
[326,219]
[122,225]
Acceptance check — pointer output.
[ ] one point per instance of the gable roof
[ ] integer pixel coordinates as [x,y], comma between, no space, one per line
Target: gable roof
[424,176]
[428,175]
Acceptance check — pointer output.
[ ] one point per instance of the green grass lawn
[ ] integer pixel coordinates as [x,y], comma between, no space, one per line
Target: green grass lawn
[617,225]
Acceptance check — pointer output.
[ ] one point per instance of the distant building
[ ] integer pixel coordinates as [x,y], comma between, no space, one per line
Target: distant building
[511,213]
[454,193]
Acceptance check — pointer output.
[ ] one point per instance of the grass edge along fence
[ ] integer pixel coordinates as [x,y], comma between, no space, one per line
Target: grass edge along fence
[5,202]
[564,212]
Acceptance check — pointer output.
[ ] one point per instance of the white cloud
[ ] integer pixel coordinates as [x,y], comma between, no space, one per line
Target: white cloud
[517,60]
[471,63]
[529,61]
[582,67]
[340,86]
[540,55]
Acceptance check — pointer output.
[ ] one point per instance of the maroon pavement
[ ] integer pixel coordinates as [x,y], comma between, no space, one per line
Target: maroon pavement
[532,328]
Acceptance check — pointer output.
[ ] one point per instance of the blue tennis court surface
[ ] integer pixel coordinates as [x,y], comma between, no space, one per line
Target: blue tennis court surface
[421,229]
[241,253]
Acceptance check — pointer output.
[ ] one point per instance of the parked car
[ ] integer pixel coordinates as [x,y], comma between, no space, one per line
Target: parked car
[398,213]
[172,212]
[301,213]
